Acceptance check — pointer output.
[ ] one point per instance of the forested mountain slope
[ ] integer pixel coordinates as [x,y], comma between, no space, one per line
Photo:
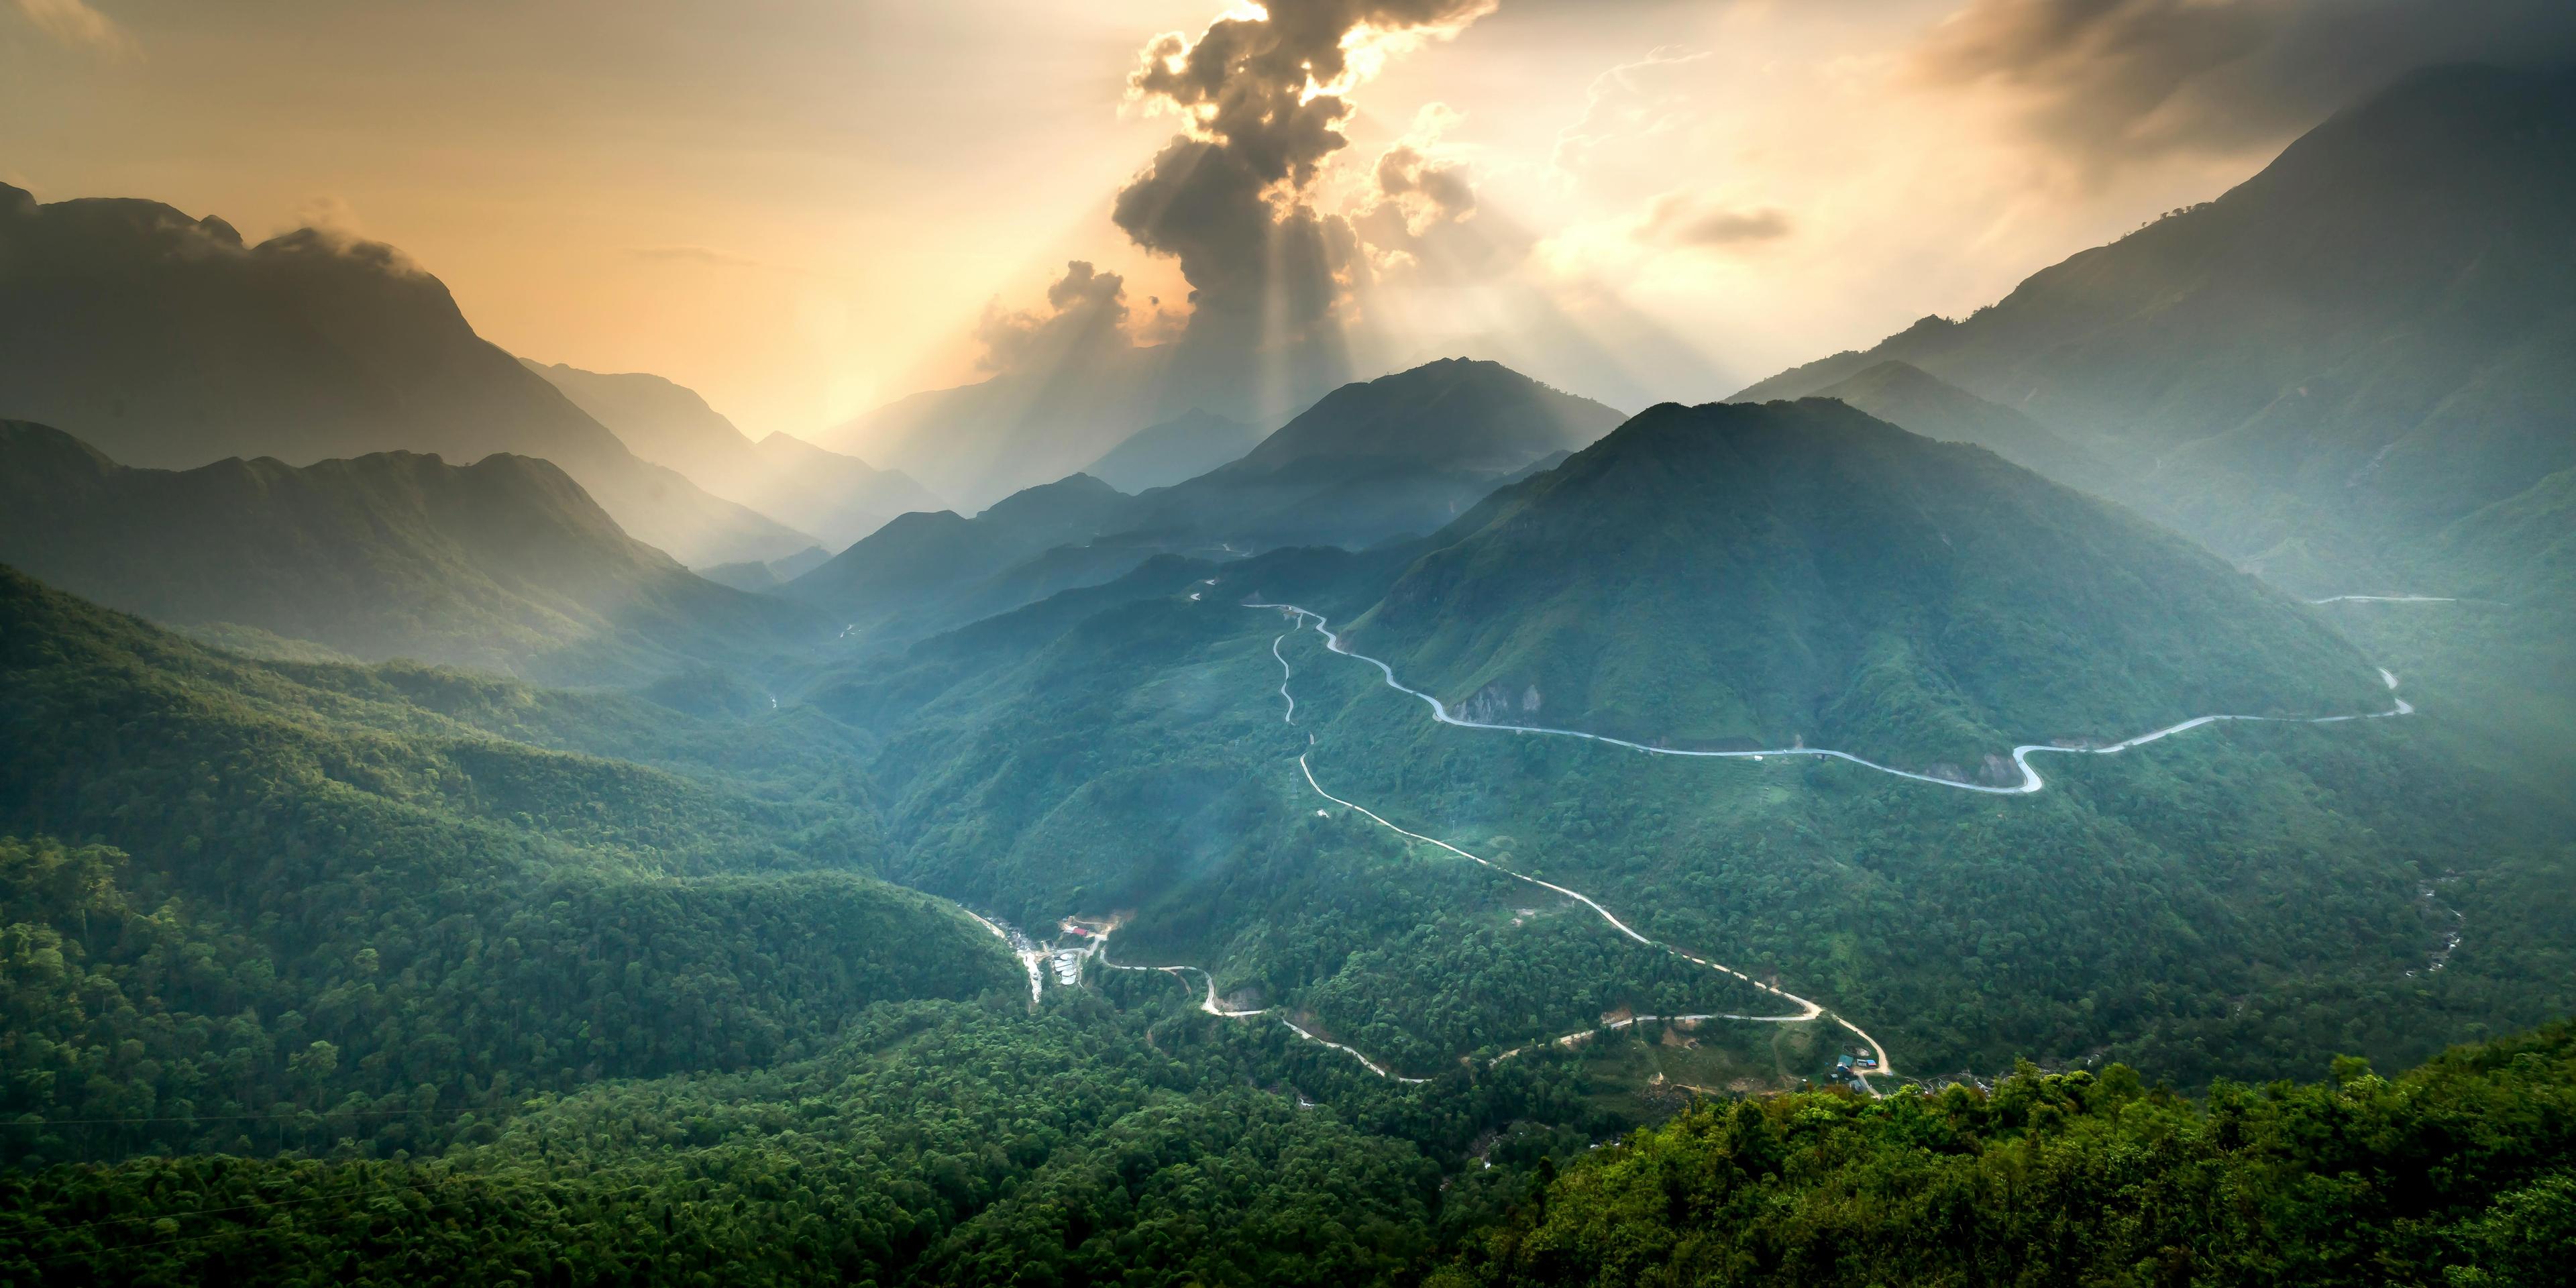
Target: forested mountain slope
[503,565]
[279,894]
[1761,575]
[165,342]
[2457,1172]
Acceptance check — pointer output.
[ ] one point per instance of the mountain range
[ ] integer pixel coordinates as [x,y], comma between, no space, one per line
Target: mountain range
[1376,460]
[504,565]
[939,568]
[2330,362]
[317,963]
[1174,450]
[978,443]
[166,342]
[1372,462]
[837,498]
[1743,576]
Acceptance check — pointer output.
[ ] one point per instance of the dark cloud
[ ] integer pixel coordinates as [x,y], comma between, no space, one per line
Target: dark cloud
[1444,190]
[2106,80]
[1265,98]
[1687,220]
[1421,223]
[1086,316]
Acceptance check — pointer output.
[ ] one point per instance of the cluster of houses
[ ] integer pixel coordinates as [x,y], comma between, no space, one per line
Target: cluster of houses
[1854,1064]
[1067,962]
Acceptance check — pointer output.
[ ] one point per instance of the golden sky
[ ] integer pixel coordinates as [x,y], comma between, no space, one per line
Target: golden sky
[801,208]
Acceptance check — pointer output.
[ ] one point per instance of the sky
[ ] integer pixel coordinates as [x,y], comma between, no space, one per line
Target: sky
[804,209]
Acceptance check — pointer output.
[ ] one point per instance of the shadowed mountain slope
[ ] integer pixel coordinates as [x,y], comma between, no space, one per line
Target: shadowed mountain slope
[922,564]
[1373,462]
[1398,456]
[166,342]
[502,565]
[1911,398]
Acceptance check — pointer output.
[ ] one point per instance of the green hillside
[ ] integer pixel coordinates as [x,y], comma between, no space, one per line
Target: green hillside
[1762,575]
[2454,1173]
[503,565]
[288,891]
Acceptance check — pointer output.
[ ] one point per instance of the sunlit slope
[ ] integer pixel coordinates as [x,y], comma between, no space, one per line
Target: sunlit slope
[2366,340]
[1765,575]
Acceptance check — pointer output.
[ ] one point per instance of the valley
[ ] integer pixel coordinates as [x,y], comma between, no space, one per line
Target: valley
[1278,724]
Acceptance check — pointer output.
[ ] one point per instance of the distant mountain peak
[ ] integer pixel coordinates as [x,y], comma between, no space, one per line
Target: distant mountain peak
[2317,370]
[1460,413]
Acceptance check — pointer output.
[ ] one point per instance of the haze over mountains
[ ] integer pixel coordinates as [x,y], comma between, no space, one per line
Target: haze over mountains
[981,442]
[1376,460]
[164,341]
[1373,461]
[1271,976]
[1904,394]
[2322,367]
[837,498]
[1172,451]
[504,565]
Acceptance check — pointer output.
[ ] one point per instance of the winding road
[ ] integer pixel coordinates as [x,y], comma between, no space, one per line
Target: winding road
[1807,1010]
[2030,779]
[1212,1006]
[1020,947]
